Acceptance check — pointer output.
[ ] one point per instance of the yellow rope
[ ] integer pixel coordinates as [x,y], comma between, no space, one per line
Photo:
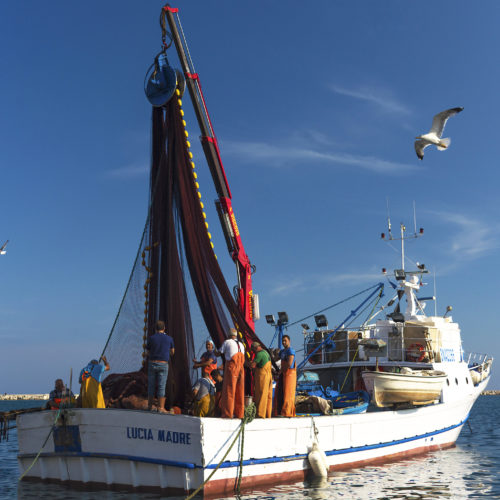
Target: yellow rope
[348,371]
[250,412]
[218,465]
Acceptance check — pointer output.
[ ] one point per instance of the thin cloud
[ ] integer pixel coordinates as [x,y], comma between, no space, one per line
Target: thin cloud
[350,278]
[280,156]
[324,282]
[375,96]
[289,286]
[474,238]
[128,172]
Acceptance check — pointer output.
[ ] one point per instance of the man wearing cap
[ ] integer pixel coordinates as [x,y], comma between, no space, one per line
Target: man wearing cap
[160,347]
[232,402]
[263,381]
[208,361]
[204,397]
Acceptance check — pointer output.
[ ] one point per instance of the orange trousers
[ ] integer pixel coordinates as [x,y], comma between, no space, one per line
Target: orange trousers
[232,401]
[289,387]
[263,390]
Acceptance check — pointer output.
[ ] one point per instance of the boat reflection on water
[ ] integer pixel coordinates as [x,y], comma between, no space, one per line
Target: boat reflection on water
[453,473]
[439,474]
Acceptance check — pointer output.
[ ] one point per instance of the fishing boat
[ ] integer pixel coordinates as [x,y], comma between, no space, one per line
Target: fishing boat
[176,275]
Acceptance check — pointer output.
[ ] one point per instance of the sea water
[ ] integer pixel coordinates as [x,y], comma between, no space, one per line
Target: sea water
[469,470]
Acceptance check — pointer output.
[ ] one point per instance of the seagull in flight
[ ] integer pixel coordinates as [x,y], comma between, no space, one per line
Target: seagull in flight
[2,248]
[434,134]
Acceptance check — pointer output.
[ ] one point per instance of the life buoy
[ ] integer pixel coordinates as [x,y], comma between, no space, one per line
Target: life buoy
[416,353]
[316,358]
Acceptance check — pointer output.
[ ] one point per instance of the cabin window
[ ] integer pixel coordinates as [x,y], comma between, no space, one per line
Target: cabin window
[448,381]
[456,380]
[466,380]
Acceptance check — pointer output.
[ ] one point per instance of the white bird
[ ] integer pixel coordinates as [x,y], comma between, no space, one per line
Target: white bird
[434,135]
[2,248]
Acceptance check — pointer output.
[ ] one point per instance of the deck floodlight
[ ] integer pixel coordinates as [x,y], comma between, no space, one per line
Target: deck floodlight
[399,274]
[321,321]
[282,318]
[305,326]
[270,319]
[448,309]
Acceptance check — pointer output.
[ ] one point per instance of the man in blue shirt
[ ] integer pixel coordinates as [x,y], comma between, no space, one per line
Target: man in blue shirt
[160,347]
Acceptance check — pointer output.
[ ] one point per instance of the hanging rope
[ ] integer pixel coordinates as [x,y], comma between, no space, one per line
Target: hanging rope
[348,371]
[333,305]
[43,445]
[346,322]
[250,412]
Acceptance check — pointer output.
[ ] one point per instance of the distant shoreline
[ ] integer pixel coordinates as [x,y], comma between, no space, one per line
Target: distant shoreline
[42,397]
[21,397]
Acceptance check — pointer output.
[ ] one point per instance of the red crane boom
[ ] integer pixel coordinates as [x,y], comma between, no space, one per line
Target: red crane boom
[210,146]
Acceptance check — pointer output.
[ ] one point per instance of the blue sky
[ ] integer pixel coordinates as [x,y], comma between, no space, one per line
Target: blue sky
[316,107]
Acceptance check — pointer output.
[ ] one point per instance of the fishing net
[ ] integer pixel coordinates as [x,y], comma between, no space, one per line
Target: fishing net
[175,277]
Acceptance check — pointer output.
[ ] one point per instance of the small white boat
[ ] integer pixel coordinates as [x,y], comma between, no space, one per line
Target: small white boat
[410,386]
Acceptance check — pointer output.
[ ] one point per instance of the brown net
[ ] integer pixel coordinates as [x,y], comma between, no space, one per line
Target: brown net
[176,276]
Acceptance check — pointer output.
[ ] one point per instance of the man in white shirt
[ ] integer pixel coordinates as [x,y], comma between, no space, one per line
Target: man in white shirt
[232,403]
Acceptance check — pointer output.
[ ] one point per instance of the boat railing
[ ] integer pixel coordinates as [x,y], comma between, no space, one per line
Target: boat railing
[476,359]
[345,346]
[408,347]
[342,347]
[402,345]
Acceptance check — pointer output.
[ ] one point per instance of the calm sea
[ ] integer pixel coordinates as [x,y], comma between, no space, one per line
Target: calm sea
[470,470]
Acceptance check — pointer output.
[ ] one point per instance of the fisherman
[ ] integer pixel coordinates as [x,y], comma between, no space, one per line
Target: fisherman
[204,397]
[233,388]
[60,397]
[90,379]
[160,347]
[218,379]
[263,381]
[288,378]
[208,361]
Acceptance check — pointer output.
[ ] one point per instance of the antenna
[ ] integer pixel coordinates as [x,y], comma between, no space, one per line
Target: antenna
[388,219]
[435,296]
[414,217]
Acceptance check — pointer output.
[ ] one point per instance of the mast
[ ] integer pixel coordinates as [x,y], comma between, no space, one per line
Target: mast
[210,146]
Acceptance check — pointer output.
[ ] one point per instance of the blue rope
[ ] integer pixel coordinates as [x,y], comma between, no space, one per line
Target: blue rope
[378,285]
[353,313]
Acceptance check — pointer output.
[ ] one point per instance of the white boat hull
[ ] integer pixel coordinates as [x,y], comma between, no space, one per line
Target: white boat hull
[392,388]
[177,453]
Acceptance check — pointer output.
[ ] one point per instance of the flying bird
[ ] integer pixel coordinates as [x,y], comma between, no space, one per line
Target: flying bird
[2,248]
[434,135]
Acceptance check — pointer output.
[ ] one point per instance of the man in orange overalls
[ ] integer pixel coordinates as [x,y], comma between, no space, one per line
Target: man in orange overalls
[232,403]
[288,374]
